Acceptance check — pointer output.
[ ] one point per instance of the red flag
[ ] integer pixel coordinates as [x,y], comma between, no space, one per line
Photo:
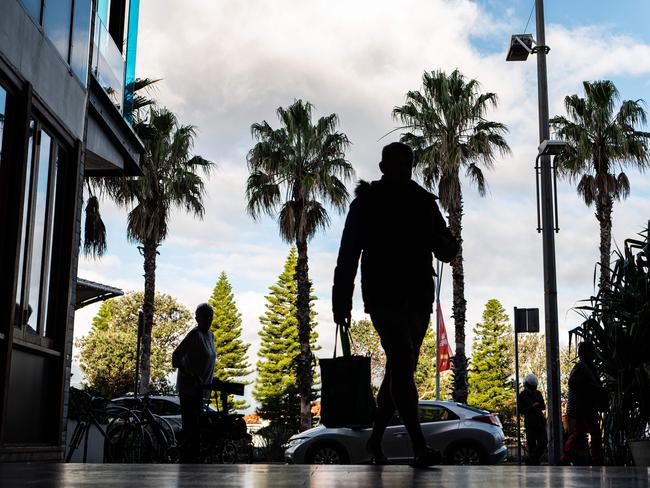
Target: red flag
[444,349]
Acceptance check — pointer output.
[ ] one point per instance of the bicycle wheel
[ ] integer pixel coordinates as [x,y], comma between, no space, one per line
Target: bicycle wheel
[229,453]
[171,453]
[127,441]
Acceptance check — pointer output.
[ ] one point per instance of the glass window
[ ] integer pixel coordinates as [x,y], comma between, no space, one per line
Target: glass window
[39,231]
[3,106]
[57,17]
[45,158]
[21,312]
[103,9]
[33,7]
[80,39]
[435,413]
[60,158]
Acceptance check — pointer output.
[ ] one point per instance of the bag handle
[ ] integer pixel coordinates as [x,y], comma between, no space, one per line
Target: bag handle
[346,340]
[336,340]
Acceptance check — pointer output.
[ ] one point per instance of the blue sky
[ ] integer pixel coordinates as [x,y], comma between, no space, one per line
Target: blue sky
[229,64]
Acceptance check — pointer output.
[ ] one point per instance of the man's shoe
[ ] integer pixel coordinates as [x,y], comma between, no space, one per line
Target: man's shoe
[427,458]
[377,456]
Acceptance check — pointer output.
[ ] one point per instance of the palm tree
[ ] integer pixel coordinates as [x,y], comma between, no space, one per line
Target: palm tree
[170,180]
[449,133]
[600,142]
[94,243]
[292,170]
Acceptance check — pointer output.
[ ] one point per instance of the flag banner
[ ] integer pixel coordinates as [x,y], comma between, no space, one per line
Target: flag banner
[444,354]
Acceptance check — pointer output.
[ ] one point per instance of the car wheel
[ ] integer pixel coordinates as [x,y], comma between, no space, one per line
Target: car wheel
[327,453]
[464,454]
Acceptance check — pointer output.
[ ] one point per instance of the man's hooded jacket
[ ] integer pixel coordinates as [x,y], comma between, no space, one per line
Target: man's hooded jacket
[396,228]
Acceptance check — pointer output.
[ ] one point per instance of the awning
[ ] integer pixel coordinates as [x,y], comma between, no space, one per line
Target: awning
[89,292]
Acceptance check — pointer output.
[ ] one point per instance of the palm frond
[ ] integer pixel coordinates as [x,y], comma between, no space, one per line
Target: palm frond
[446,125]
[298,163]
[94,230]
[599,139]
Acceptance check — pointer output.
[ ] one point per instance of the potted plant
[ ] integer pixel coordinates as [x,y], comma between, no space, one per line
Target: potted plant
[617,321]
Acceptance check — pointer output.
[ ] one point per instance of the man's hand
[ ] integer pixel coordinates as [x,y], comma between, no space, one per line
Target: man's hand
[342,318]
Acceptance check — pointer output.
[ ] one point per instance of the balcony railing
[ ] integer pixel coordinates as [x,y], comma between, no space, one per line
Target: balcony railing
[108,64]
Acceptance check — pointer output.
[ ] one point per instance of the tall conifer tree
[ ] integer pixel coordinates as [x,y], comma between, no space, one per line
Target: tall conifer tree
[276,386]
[232,360]
[490,379]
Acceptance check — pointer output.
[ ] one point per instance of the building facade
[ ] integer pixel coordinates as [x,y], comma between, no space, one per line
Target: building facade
[66,72]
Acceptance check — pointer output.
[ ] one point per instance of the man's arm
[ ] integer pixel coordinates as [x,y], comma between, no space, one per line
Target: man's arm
[445,246]
[346,265]
[179,354]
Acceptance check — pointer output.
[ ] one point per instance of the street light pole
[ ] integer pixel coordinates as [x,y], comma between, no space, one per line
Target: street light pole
[548,246]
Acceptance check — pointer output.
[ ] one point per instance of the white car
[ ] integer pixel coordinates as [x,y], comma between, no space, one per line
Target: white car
[463,434]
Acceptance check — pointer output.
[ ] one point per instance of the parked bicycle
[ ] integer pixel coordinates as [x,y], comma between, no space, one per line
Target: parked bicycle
[158,432]
[120,428]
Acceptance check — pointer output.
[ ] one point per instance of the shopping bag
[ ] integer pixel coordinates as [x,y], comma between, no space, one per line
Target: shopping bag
[346,394]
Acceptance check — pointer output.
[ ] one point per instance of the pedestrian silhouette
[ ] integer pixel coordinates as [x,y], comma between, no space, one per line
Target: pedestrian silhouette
[195,359]
[585,399]
[394,225]
[532,407]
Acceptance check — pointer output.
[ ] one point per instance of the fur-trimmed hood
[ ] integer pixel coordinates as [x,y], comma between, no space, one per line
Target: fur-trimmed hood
[364,188]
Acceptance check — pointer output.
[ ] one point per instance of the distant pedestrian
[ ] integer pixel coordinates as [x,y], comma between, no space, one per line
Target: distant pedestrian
[586,394]
[195,359]
[532,407]
[395,227]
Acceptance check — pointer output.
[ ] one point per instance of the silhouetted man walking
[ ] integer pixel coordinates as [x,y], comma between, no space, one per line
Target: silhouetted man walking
[394,225]
[586,395]
[195,359]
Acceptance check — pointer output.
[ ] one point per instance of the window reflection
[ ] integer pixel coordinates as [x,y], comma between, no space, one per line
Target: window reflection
[57,16]
[3,105]
[38,230]
[67,24]
[47,265]
[80,39]
[33,7]
[21,313]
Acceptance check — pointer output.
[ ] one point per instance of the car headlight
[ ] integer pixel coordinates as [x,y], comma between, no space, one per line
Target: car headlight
[295,442]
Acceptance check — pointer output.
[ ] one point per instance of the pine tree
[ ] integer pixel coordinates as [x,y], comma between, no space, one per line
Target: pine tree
[276,388]
[365,342]
[425,374]
[490,380]
[232,360]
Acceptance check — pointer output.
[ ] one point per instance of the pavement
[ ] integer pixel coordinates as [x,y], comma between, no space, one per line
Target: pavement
[281,476]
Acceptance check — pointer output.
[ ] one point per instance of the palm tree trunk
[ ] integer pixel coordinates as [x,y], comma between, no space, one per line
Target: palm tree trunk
[149,252]
[459,305]
[304,366]
[604,216]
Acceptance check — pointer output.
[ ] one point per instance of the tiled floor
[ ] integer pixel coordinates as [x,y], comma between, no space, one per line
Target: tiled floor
[280,476]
